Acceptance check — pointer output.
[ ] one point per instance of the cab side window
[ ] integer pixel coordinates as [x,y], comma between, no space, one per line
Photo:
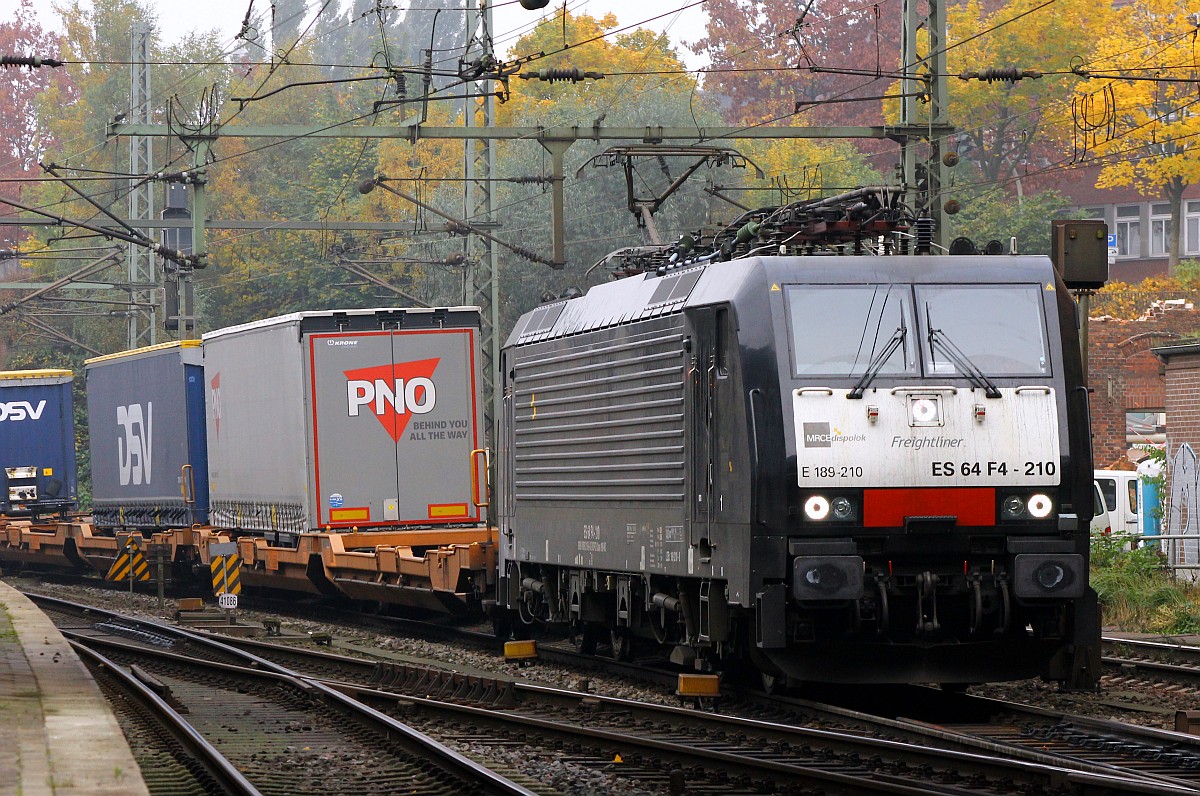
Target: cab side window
[1108,486]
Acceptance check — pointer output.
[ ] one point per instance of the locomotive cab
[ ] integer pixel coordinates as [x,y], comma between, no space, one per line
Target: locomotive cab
[938,506]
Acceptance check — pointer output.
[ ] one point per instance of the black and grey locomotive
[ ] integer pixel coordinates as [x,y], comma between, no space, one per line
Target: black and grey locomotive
[808,442]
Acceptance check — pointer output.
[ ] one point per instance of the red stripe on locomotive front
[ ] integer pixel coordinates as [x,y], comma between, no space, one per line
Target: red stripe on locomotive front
[887,508]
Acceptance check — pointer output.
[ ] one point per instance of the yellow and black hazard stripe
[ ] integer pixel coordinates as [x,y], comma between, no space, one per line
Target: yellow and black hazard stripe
[226,574]
[131,564]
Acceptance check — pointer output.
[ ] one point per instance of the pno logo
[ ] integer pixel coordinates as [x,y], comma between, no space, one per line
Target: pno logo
[816,435]
[21,410]
[393,393]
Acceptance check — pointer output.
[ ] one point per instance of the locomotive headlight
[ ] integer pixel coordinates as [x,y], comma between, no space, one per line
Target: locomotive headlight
[924,410]
[816,508]
[842,508]
[1040,506]
[1013,507]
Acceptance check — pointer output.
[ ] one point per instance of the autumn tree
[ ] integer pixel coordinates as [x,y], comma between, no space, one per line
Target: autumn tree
[23,132]
[1145,127]
[643,82]
[96,44]
[819,63]
[1008,127]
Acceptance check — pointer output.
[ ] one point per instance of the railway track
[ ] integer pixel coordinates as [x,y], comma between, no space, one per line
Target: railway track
[256,727]
[662,749]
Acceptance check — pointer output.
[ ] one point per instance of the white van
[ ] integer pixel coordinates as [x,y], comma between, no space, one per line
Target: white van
[1099,511]
[1119,490]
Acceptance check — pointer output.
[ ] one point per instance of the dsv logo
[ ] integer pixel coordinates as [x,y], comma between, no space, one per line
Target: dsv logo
[393,393]
[21,410]
[134,451]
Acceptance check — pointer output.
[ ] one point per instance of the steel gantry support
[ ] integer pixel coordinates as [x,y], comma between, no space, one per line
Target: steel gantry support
[482,263]
[924,104]
[141,325]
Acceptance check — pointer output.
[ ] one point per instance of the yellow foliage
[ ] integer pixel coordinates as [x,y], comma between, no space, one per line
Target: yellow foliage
[632,63]
[1156,128]
[1126,301]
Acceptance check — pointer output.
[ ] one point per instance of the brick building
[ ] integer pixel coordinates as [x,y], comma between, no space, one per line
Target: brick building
[1142,224]
[1126,376]
[1181,502]
[1181,393]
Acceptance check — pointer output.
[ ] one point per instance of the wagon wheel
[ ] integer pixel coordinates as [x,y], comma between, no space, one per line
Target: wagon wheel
[771,683]
[621,644]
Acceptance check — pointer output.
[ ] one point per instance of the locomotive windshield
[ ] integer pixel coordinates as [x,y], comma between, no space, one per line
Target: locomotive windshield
[994,330]
[838,330]
[998,328]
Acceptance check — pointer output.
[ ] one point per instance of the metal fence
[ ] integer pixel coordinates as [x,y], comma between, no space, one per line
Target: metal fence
[1181,552]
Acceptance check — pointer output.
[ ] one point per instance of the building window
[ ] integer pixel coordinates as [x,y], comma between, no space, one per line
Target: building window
[1160,230]
[1129,231]
[1093,213]
[1191,226]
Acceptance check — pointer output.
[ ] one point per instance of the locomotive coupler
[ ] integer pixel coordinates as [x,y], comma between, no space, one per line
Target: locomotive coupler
[927,621]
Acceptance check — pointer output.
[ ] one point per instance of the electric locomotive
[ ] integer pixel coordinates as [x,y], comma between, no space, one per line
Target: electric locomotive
[862,467]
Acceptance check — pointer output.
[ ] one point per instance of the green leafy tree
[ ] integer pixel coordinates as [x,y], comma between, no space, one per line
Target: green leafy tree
[644,83]
[995,215]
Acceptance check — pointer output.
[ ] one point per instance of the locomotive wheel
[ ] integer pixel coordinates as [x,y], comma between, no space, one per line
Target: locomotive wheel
[771,684]
[621,644]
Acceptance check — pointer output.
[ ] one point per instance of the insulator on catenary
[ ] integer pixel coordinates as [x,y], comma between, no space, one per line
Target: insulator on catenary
[923,229]
[575,75]
[29,61]
[1009,73]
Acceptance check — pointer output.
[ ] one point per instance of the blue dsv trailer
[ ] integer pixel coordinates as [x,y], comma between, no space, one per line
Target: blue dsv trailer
[37,442]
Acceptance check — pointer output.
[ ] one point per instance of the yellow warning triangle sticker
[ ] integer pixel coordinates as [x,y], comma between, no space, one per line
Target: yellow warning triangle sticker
[774,288]
[1050,286]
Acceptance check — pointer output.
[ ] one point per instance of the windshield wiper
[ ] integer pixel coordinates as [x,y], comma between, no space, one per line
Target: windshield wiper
[939,341]
[879,360]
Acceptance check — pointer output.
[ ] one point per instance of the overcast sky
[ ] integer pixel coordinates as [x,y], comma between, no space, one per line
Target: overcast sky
[177,18]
